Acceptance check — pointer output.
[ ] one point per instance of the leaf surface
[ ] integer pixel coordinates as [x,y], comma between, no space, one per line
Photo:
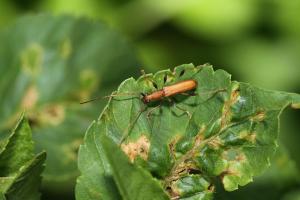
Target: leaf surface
[227,131]
[20,174]
[50,64]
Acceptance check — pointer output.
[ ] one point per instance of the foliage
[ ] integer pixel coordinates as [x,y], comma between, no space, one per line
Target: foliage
[294,195]
[50,64]
[20,169]
[256,41]
[227,133]
[277,180]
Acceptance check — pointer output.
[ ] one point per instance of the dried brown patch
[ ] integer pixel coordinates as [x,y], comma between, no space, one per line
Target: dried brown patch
[215,143]
[30,98]
[234,96]
[260,116]
[71,150]
[173,192]
[184,165]
[182,170]
[240,157]
[232,169]
[229,172]
[55,114]
[172,146]
[51,114]
[226,173]
[200,136]
[226,116]
[251,137]
[137,148]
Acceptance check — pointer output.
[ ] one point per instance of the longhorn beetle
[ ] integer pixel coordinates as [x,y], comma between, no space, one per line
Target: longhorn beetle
[171,90]
[167,91]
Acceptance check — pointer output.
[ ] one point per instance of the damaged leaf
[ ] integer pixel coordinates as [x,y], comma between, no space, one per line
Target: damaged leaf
[50,64]
[222,131]
[20,169]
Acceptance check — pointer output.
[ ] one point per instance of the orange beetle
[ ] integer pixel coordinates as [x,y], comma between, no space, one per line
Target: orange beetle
[170,90]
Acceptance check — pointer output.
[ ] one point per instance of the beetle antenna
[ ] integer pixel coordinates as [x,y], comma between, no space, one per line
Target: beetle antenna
[90,100]
[109,96]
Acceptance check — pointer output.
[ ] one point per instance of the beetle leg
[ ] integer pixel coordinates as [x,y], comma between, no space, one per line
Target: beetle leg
[189,94]
[151,111]
[131,125]
[173,101]
[185,111]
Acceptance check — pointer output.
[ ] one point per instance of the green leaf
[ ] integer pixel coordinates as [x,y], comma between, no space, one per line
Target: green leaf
[2,197]
[27,182]
[110,171]
[227,131]
[50,64]
[18,149]
[139,183]
[20,174]
[193,187]
[283,171]
[272,184]
[95,168]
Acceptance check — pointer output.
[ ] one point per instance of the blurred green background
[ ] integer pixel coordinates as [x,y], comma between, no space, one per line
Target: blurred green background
[257,41]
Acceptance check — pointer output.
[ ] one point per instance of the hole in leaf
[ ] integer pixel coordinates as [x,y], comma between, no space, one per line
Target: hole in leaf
[181,73]
[194,171]
[155,85]
[165,78]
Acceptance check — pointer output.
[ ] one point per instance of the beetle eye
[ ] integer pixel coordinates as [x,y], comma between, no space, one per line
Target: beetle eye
[181,73]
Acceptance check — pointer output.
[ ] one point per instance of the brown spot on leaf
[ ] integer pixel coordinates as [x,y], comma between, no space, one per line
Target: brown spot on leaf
[226,116]
[251,137]
[234,96]
[137,148]
[47,115]
[240,158]
[54,114]
[182,170]
[173,192]
[30,98]
[172,145]
[260,116]
[200,136]
[184,165]
[32,59]
[215,143]
[230,172]
[71,150]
